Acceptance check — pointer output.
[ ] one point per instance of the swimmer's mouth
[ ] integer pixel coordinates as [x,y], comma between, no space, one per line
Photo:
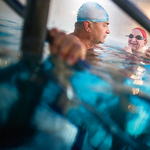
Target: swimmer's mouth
[133,43]
[105,37]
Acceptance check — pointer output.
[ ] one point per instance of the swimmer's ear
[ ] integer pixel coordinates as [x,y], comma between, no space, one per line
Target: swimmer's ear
[87,26]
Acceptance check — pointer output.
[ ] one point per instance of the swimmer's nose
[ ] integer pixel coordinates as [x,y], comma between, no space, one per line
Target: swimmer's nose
[108,31]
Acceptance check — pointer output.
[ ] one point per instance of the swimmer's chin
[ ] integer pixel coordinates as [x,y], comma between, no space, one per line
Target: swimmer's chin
[101,42]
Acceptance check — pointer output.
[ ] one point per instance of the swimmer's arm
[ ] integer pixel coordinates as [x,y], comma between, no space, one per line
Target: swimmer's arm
[146,54]
[67,47]
[128,49]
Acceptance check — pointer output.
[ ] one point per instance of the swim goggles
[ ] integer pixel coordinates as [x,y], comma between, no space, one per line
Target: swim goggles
[138,37]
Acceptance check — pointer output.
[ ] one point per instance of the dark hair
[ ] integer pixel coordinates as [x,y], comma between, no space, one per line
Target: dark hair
[79,25]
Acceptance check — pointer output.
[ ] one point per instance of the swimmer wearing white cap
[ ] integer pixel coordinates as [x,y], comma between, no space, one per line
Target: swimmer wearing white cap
[92,24]
[91,29]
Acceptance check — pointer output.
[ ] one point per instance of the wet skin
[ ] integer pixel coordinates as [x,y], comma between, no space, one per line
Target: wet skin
[136,45]
[100,31]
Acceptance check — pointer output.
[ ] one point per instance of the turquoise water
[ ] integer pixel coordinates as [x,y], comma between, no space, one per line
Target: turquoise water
[116,88]
[10,38]
[10,34]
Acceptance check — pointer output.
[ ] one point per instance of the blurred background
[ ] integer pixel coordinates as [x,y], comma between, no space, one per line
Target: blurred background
[63,14]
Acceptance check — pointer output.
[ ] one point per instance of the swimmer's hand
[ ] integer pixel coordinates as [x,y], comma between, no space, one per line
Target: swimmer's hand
[146,54]
[67,47]
[128,49]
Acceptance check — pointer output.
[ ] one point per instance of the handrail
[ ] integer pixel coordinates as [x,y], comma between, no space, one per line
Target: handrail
[34,30]
[134,12]
[17,125]
[16,6]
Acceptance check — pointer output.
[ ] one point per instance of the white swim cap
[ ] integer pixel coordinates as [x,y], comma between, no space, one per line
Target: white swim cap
[92,11]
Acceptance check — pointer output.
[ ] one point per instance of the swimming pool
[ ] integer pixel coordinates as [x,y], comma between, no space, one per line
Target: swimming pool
[116,87]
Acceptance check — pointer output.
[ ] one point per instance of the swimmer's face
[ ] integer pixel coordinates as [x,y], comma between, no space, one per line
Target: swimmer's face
[100,31]
[135,44]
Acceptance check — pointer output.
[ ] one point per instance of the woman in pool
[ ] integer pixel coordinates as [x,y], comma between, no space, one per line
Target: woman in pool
[136,42]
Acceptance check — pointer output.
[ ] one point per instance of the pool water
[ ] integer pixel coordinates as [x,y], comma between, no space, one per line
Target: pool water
[116,86]
[10,38]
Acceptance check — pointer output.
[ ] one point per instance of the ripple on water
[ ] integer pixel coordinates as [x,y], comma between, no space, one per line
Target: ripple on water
[10,34]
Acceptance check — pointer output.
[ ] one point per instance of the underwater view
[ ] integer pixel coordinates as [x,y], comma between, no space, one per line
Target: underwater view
[102,103]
